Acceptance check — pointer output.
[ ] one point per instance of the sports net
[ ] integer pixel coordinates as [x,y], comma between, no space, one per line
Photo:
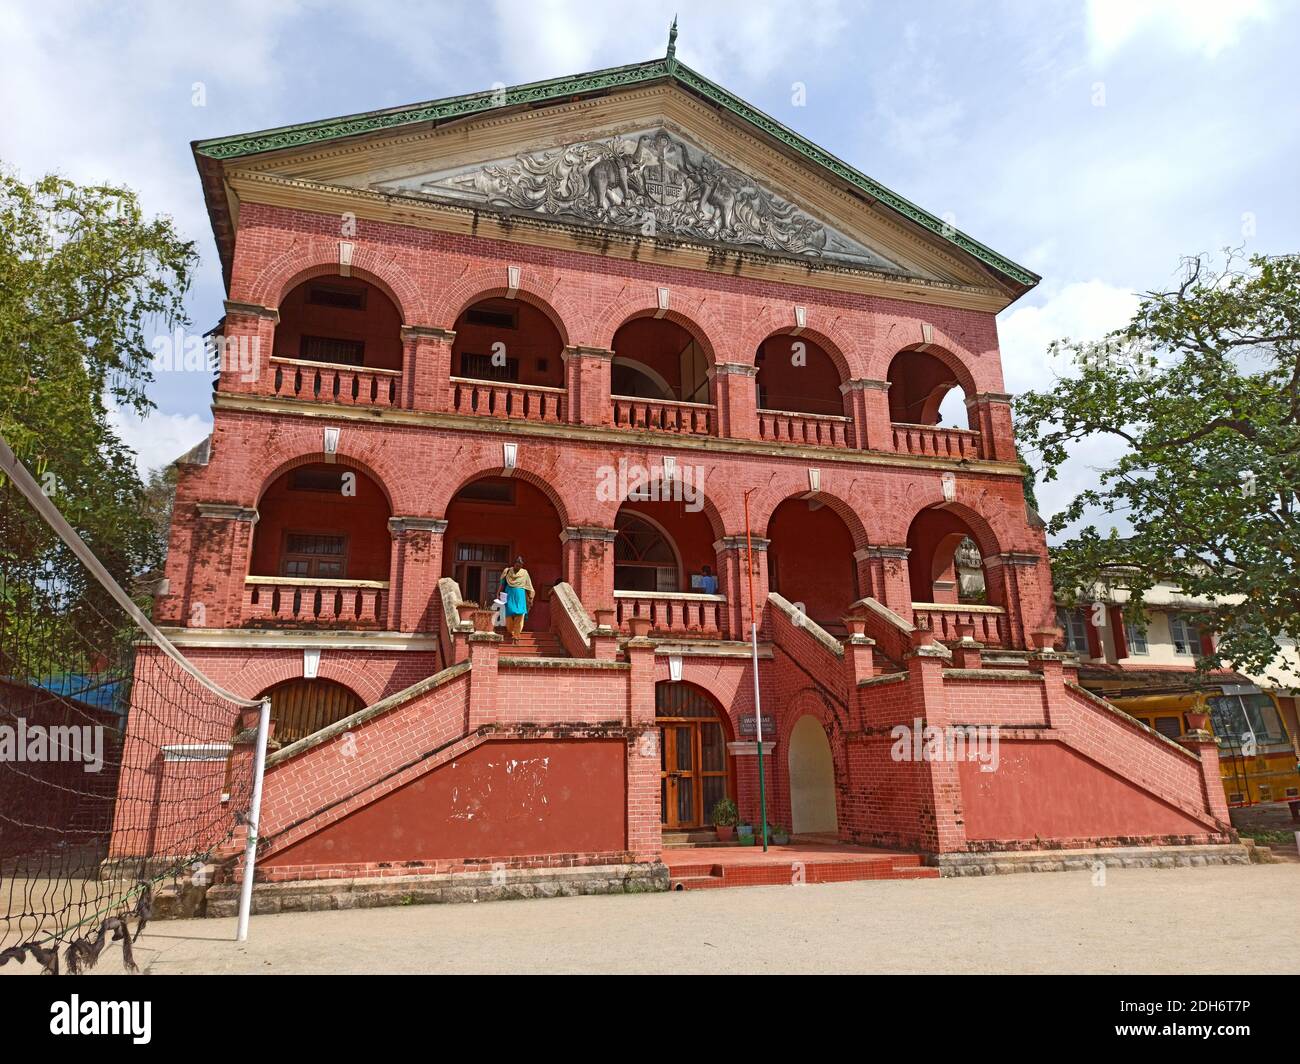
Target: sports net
[121,767]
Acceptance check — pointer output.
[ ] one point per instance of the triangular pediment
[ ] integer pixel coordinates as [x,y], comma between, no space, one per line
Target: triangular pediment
[649,181]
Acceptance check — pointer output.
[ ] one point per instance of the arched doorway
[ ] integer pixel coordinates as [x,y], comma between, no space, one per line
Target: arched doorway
[693,761]
[300,708]
[812,779]
[796,374]
[925,390]
[509,341]
[822,581]
[490,522]
[655,358]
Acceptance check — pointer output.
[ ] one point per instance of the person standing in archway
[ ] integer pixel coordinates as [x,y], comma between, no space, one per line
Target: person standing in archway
[517,586]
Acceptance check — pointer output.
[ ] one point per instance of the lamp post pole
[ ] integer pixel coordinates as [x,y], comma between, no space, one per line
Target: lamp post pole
[758,705]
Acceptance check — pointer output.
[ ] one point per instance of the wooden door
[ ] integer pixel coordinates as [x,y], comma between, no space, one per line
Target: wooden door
[692,770]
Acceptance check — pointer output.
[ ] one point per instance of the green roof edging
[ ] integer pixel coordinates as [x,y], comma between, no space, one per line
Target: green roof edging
[537,92]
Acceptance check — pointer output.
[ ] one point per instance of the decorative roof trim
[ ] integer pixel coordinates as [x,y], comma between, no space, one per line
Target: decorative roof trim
[540,92]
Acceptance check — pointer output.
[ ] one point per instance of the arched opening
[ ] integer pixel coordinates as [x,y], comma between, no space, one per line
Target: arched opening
[812,779]
[944,561]
[300,707]
[810,561]
[662,547]
[342,321]
[925,390]
[655,358]
[694,772]
[509,341]
[490,522]
[796,374]
[322,523]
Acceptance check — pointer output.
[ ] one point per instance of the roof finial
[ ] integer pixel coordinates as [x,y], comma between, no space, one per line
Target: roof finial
[672,44]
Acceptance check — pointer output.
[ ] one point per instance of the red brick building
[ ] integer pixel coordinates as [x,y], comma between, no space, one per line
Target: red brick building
[623,325]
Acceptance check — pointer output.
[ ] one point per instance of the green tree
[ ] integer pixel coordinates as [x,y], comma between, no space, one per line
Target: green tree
[1202,389]
[85,281]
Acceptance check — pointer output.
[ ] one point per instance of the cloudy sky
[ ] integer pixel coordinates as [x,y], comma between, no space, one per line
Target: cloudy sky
[1094,141]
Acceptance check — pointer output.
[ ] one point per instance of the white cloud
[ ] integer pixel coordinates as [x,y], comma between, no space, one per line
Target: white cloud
[1205,26]
[159,438]
[1081,310]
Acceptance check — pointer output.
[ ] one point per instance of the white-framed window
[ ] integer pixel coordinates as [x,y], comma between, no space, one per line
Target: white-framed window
[1136,638]
[1186,637]
[1075,626]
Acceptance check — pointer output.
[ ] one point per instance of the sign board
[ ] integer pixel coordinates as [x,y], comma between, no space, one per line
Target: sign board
[747,726]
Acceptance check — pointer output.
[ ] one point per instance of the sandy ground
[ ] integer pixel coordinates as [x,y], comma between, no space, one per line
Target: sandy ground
[1200,920]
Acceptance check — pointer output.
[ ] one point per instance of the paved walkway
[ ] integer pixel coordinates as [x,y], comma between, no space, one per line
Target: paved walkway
[1199,920]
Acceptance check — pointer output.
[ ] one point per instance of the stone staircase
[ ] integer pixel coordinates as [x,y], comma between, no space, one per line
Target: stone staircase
[533,645]
[783,866]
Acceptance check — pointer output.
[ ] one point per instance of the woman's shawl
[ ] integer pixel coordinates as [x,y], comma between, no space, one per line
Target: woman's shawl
[520,578]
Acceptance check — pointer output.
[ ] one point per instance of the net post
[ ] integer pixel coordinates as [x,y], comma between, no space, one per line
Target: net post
[254,821]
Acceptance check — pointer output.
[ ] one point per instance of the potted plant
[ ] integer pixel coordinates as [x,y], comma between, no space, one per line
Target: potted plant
[747,840]
[465,610]
[745,830]
[780,836]
[724,819]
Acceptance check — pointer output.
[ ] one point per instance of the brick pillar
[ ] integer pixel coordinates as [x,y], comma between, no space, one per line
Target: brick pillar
[587,379]
[889,579]
[589,564]
[1012,581]
[220,549]
[426,367]
[484,648]
[941,783]
[644,831]
[1203,745]
[416,564]
[733,581]
[735,395]
[247,341]
[868,405]
[859,657]
[990,416]
[1050,664]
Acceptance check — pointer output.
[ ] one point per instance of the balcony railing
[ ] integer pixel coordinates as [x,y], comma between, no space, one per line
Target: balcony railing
[329,382]
[661,415]
[295,601]
[990,621]
[524,402]
[673,613]
[934,442]
[821,430]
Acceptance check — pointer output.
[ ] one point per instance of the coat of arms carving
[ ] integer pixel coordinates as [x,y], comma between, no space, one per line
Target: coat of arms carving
[652,182]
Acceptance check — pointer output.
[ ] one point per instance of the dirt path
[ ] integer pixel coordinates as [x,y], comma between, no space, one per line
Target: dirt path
[1057,922]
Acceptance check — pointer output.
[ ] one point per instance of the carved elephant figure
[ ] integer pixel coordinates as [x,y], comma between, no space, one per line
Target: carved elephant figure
[605,176]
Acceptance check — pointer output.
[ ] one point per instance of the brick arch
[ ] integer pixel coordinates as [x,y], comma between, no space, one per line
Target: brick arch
[698,319]
[264,671]
[948,355]
[844,350]
[810,702]
[764,508]
[982,529]
[604,518]
[541,290]
[730,688]
[346,460]
[318,258]
[440,504]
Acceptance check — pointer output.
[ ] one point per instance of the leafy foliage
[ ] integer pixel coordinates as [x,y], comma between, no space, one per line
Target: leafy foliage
[85,280]
[1202,389]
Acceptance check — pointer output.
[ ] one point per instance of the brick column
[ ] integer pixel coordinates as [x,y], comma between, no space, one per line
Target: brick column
[990,415]
[416,564]
[735,395]
[484,648]
[733,581]
[1012,580]
[1203,745]
[245,347]
[941,785]
[644,831]
[859,658]
[426,367]
[587,372]
[220,549]
[868,402]
[888,577]
[589,564]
